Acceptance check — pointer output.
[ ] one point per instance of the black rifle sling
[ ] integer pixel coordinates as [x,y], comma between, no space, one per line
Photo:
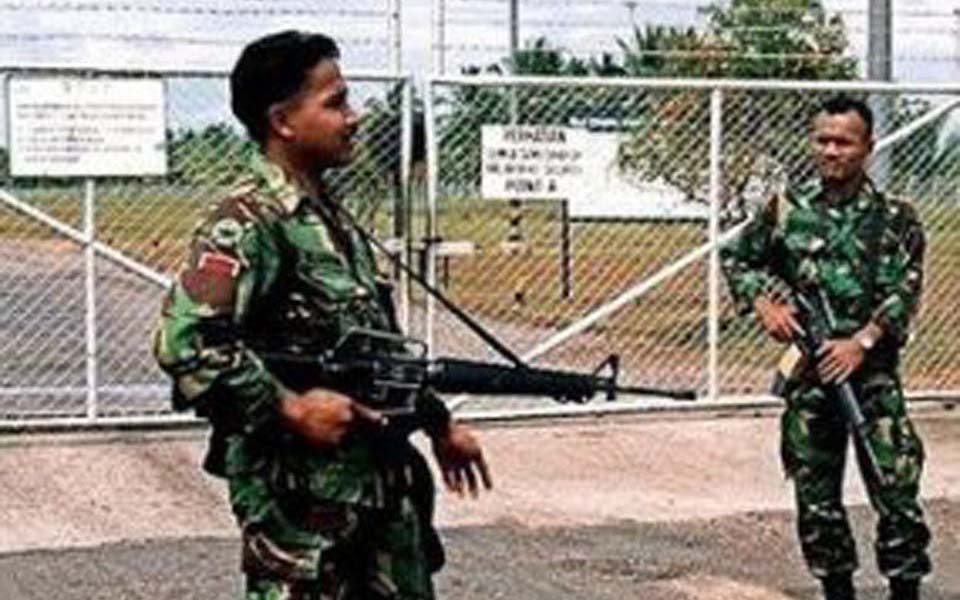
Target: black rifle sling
[465,318]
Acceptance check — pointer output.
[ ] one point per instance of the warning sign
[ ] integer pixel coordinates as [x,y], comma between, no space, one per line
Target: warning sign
[67,127]
[533,162]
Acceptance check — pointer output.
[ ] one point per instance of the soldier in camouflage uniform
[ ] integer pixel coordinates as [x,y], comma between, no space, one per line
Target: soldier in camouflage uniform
[332,505]
[865,251]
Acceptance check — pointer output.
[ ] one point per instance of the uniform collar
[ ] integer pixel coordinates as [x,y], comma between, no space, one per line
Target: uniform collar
[814,190]
[276,184]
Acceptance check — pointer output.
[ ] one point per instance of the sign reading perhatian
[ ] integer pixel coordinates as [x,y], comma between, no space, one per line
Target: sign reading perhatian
[69,127]
[532,161]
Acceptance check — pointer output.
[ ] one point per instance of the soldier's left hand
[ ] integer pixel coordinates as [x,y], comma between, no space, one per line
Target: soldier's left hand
[839,359]
[461,460]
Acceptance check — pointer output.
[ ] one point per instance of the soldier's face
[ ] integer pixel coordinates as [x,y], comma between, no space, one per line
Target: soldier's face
[841,146]
[318,123]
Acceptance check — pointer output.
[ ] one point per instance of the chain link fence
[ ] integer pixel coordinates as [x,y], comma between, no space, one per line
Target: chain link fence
[568,291]
[85,263]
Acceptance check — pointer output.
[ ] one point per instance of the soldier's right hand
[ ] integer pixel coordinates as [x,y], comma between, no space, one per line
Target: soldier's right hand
[324,417]
[778,319]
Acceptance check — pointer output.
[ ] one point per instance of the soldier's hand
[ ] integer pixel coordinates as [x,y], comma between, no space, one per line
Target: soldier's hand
[461,460]
[325,417]
[839,359]
[779,319]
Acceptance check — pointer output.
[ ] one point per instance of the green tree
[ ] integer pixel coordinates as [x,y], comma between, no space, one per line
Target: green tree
[213,155]
[766,134]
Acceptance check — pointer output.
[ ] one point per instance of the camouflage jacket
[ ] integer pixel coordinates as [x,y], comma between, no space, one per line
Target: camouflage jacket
[866,253]
[271,270]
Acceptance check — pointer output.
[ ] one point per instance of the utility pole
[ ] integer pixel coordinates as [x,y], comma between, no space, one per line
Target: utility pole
[880,42]
[439,37]
[632,7]
[880,68]
[395,24]
[514,27]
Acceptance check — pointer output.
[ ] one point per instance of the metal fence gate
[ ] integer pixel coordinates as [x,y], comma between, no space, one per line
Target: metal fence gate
[567,292]
[84,264]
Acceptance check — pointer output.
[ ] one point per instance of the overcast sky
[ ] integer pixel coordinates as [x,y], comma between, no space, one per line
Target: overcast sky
[209,33]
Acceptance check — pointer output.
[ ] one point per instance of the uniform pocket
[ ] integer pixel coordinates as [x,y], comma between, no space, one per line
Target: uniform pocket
[266,558]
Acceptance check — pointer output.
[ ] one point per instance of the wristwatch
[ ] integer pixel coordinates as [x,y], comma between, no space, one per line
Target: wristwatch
[866,341]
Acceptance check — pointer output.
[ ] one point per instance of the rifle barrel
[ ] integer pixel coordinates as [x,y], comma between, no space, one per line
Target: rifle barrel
[640,390]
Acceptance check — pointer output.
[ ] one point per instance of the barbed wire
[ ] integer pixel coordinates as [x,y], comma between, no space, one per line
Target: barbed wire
[694,54]
[185,9]
[612,25]
[161,39]
[643,5]
[700,54]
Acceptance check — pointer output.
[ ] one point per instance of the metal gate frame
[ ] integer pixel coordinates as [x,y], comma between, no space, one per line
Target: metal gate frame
[94,249]
[717,90]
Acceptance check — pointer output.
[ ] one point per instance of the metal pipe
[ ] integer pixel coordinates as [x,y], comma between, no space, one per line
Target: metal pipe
[41,71]
[80,238]
[433,165]
[403,215]
[713,278]
[90,288]
[697,84]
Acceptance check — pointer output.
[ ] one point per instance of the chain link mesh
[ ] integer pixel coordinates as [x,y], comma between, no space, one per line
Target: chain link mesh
[514,280]
[516,274]
[148,220]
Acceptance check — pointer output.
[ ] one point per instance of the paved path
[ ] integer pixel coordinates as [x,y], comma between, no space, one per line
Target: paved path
[672,506]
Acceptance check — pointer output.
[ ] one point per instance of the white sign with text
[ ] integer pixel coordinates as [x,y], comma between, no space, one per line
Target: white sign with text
[70,127]
[577,165]
[532,161]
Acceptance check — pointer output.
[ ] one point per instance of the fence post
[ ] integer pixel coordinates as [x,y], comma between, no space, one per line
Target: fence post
[429,248]
[90,267]
[716,181]
[403,219]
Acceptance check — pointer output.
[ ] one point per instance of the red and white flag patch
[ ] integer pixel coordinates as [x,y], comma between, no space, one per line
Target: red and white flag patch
[215,263]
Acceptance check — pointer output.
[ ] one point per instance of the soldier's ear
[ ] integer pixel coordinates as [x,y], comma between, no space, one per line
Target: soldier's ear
[278,119]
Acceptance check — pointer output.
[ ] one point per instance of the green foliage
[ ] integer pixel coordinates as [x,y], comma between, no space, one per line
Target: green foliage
[374,174]
[467,109]
[211,156]
[765,133]
[667,131]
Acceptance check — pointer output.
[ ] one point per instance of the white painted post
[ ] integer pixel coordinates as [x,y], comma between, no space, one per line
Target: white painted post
[406,216]
[716,181]
[90,264]
[429,249]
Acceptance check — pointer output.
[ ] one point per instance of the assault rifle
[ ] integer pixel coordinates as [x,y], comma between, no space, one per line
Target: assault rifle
[382,369]
[818,321]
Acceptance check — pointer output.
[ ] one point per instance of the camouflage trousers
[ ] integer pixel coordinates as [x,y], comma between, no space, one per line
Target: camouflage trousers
[814,441]
[327,550]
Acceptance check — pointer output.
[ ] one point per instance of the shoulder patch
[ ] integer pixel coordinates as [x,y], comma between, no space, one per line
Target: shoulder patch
[215,263]
[212,281]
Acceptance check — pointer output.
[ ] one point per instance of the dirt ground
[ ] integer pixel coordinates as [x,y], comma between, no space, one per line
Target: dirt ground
[666,507]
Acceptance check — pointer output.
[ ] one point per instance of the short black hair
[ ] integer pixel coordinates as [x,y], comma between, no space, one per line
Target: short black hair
[272,69]
[839,105]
